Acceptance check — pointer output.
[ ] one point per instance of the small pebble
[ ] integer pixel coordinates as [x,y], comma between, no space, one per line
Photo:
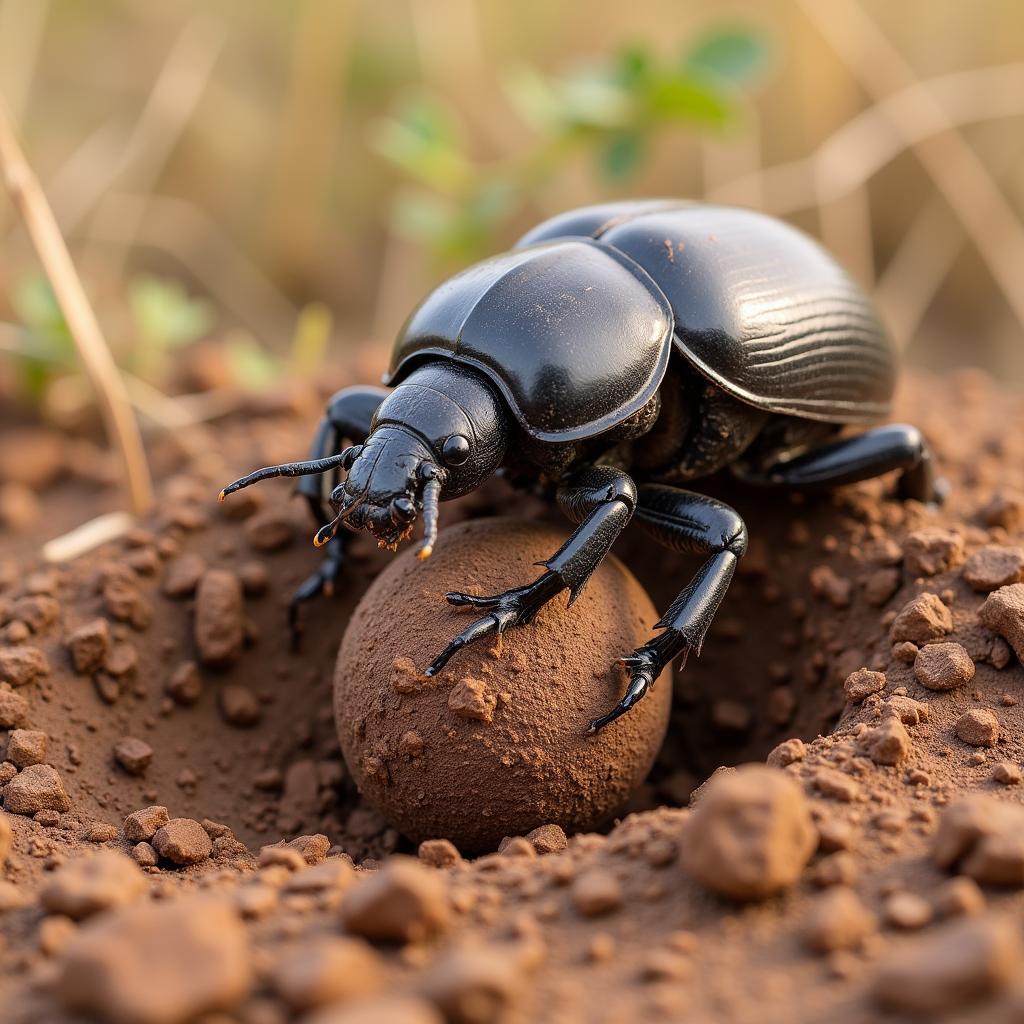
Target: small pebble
[955,966]
[907,911]
[239,706]
[36,788]
[26,746]
[992,567]
[1007,773]
[144,823]
[863,683]
[979,727]
[596,892]
[133,755]
[182,841]
[943,666]
[402,902]
[185,686]
[839,920]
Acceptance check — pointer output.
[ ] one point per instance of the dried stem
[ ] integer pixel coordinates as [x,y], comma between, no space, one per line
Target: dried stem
[29,200]
[87,537]
[308,132]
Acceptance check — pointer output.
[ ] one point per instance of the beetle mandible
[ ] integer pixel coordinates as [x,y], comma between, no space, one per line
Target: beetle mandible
[618,350]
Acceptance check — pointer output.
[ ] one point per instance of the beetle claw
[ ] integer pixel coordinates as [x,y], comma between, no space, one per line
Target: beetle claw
[461,600]
[515,607]
[640,682]
[644,666]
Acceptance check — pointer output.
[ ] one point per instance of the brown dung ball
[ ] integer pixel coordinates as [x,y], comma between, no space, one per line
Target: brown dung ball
[496,744]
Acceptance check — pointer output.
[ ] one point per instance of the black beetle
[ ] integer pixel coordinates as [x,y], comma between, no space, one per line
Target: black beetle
[647,341]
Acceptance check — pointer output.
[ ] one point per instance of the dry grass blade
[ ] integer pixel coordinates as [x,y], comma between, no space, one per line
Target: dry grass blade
[28,198]
[859,149]
[194,239]
[87,537]
[176,93]
[924,259]
[954,167]
[22,25]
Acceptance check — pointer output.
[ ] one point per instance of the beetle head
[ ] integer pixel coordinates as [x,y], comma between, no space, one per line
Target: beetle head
[438,435]
[391,477]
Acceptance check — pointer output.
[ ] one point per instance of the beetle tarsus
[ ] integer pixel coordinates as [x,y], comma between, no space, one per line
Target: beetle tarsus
[320,582]
[644,665]
[640,682]
[515,607]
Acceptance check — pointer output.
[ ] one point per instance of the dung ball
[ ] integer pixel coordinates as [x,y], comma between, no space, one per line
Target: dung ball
[495,744]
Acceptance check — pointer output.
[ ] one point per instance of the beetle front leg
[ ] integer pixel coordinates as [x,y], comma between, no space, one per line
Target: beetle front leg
[348,416]
[686,522]
[601,499]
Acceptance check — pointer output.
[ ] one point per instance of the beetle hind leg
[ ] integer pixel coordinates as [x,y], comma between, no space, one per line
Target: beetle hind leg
[686,522]
[896,446]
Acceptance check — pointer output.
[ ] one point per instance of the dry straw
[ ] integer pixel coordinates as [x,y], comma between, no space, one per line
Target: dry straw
[31,203]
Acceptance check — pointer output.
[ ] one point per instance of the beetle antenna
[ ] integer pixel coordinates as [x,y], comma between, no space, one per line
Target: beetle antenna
[431,497]
[328,530]
[290,469]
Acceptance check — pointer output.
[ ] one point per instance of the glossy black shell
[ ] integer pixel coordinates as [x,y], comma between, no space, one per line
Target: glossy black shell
[576,324]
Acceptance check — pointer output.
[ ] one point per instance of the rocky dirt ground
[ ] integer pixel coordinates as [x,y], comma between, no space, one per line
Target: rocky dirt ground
[182,841]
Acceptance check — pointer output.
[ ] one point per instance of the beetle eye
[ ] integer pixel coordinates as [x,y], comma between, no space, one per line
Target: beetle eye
[455,450]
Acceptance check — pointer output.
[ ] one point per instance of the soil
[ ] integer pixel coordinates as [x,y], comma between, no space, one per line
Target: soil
[182,839]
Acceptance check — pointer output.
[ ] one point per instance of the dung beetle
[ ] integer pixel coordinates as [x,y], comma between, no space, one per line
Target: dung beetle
[616,352]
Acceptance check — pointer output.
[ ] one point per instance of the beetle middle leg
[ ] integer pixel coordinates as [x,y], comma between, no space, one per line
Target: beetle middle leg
[685,522]
[601,499]
[348,417]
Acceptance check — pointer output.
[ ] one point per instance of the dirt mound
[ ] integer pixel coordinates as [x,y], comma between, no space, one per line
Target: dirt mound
[181,836]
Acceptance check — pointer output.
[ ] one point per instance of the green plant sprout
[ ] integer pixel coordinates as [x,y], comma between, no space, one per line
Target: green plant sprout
[164,319]
[253,367]
[457,205]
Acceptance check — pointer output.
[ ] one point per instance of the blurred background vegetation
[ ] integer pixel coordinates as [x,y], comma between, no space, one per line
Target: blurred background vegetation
[252,189]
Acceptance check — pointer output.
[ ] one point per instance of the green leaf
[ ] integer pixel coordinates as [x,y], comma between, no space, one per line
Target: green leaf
[166,315]
[249,364]
[735,53]
[421,216]
[424,139]
[634,65]
[533,97]
[621,155]
[430,119]
[685,97]
[593,99]
[36,306]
